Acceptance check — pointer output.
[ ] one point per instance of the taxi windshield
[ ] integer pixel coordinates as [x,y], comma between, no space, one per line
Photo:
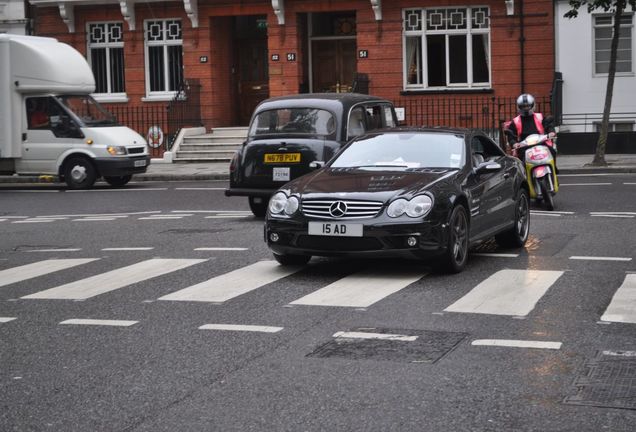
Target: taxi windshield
[296,121]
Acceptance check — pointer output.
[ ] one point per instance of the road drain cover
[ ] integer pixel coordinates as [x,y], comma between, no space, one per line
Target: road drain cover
[365,343]
[609,380]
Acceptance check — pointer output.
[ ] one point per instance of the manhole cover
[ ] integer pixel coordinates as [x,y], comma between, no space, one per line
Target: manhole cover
[364,343]
[609,380]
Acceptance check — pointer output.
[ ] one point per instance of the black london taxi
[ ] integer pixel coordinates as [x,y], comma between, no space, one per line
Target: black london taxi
[288,133]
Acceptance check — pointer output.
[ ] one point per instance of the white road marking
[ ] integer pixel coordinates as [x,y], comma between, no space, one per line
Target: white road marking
[613,213]
[52,217]
[6,319]
[40,268]
[16,217]
[496,255]
[128,249]
[221,249]
[118,190]
[549,212]
[159,217]
[630,184]
[33,221]
[517,343]
[114,279]
[123,215]
[227,217]
[238,327]
[30,191]
[381,336]
[211,211]
[199,188]
[545,214]
[507,292]
[585,184]
[55,250]
[233,284]
[599,258]
[622,308]
[93,219]
[361,289]
[98,322]
[613,216]
[620,353]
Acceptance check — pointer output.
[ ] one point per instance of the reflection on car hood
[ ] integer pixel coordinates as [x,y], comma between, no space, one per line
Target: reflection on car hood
[351,180]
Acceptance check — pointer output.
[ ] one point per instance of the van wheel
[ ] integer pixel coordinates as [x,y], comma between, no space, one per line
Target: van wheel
[118,181]
[258,205]
[79,173]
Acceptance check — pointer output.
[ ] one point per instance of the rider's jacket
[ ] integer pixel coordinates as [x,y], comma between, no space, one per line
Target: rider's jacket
[538,122]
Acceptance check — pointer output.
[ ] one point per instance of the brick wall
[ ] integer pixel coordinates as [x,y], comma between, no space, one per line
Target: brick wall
[383,40]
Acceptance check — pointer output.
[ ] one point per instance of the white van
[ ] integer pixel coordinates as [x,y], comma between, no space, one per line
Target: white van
[49,123]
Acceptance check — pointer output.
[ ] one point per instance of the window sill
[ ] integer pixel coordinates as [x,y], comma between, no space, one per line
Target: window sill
[164,97]
[446,91]
[110,98]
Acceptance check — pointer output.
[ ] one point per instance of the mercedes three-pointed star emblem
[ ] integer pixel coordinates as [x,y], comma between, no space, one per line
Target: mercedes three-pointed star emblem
[338,209]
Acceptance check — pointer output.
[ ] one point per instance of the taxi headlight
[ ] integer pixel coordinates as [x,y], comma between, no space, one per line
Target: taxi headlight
[416,207]
[116,150]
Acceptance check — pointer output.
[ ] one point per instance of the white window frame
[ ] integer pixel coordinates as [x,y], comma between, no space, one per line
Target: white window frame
[109,95]
[611,126]
[469,31]
[611,26]
[165,43]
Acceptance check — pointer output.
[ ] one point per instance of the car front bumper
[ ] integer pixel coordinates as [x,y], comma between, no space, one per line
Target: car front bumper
[378,240]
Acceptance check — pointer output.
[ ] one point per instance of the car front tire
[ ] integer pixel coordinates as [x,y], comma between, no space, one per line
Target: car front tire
[456,255]
[518,234]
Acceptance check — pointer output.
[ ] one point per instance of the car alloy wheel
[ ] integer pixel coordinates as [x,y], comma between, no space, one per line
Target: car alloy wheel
[457,249]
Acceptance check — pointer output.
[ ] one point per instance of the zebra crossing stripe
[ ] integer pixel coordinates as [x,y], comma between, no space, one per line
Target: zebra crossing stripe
[114,279]
[233,284]
[507,292]
[6,319]
[622,308]
[361,289]
[40,268]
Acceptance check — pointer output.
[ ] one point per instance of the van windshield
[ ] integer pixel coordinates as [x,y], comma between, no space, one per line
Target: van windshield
[87,110]
[294,121]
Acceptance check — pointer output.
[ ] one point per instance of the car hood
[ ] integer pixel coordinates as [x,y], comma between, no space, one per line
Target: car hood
[353,181]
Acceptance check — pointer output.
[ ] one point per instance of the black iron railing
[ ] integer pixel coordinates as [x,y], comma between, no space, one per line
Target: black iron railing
[487,113]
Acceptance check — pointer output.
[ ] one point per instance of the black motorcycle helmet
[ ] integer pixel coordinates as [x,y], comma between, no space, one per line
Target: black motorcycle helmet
[525,104]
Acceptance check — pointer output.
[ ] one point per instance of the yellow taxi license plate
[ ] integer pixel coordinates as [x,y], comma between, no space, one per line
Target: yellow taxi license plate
[282,157]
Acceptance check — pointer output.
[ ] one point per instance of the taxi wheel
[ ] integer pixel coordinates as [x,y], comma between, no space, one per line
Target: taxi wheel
[285,259]
[118,181]
[258,205]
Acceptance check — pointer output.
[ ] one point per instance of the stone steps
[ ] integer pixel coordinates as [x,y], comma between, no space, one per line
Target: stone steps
[217,146]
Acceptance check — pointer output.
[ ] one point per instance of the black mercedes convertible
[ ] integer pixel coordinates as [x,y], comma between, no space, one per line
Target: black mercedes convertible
[412,192]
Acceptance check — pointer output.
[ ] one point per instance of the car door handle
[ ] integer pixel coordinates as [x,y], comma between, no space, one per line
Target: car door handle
[506,175]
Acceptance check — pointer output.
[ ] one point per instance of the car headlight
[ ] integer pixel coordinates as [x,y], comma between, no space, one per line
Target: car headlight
[416,207]
[116,150]
[281,203]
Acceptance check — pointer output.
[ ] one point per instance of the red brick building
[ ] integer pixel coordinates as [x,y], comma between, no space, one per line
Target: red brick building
[417,53]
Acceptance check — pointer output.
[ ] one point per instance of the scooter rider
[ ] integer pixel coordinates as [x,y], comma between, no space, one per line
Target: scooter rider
[527,123]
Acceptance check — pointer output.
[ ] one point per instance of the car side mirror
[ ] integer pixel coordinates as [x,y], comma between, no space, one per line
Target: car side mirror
[316,164]
[487,167]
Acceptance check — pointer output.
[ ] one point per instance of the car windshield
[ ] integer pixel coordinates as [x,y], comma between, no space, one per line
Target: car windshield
[403,150]
[301,121]
[87,110]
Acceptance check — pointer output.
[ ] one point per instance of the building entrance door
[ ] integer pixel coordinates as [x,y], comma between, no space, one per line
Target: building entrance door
[251,64]
[333,64]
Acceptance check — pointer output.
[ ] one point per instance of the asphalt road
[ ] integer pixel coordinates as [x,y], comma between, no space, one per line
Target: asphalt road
[165,268]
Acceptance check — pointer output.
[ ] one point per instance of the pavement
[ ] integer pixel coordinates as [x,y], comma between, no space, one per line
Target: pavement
[163,171]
